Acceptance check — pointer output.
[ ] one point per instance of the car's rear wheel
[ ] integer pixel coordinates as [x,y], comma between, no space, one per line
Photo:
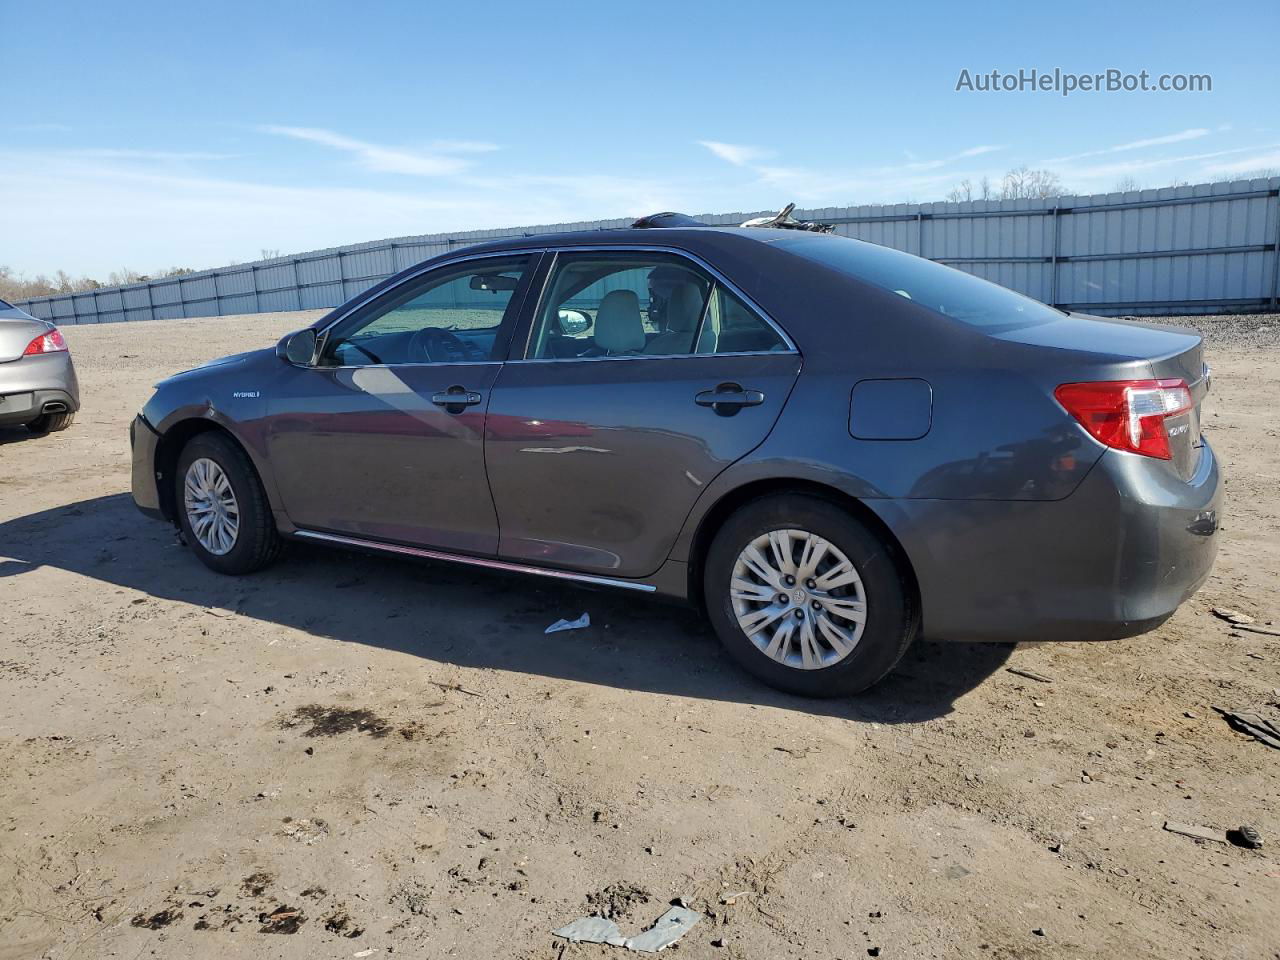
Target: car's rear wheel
[51,422]
[806,597]
[222,508]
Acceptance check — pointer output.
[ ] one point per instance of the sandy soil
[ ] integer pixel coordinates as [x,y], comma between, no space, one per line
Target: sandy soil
[344,755]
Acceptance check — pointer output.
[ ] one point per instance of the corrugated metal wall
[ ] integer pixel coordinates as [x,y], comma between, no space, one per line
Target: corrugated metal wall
[1194,249]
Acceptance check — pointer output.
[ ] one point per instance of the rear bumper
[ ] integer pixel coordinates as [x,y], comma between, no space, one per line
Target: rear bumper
[1114,559]
[35,385]
[146,494]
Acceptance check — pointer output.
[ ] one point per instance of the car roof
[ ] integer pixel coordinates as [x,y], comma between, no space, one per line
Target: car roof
[686,238]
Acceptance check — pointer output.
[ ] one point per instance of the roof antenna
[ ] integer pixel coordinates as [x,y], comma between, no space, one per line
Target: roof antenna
[784,221]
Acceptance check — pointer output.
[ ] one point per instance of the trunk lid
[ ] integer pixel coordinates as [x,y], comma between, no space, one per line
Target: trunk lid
[1105,348]
[16,331]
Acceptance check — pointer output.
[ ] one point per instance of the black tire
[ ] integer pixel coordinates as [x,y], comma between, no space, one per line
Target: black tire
[51,422]
[257,542]
[891,617]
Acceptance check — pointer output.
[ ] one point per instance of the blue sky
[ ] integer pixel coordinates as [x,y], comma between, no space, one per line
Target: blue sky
[148,134]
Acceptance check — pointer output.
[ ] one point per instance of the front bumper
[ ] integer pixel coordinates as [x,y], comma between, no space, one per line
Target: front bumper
[32,386]
[1114,559]
[143,441]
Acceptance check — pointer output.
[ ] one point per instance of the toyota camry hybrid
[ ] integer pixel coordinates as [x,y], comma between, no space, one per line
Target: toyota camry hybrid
[829,445]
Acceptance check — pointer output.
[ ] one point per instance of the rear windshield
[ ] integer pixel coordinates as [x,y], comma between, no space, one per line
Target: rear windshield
[951,292]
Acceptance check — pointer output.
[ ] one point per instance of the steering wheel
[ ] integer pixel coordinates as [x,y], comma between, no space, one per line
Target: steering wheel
[434,345]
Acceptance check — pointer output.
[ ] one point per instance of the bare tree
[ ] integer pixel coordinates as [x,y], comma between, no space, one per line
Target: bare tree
[1024,183]
[17,286]
[968,190]
[1126,185]
[268,253]
[118,278]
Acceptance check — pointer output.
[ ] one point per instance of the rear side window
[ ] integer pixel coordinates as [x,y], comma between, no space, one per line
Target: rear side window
[952,293]
[5,305]
[641,304]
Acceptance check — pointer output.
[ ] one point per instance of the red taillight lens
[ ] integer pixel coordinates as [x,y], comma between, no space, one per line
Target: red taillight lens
[1128,414]
[50,342]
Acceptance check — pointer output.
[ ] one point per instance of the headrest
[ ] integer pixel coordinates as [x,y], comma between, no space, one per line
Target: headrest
[619,328]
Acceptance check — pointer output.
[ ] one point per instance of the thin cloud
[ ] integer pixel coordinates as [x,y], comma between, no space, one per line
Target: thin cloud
[1111,170]
[1261,161]
[64,202]
[1180,137]
[738,154]
[158,156]
[437,161]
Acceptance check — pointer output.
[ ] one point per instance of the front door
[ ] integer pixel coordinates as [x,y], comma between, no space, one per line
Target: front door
[643,377]
[384,437]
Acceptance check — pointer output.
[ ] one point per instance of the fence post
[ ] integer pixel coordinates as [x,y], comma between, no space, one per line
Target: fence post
[253,275]
[151,303]
[297,283]
[1053,256]
[1275,272]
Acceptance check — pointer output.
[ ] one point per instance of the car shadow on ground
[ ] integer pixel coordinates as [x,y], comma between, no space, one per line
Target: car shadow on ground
[18,434]
[454,615]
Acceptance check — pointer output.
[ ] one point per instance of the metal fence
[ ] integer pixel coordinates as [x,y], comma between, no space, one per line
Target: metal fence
[1206,248]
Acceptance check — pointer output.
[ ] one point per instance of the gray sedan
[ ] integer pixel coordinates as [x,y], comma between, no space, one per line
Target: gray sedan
[830,446]
[38,386]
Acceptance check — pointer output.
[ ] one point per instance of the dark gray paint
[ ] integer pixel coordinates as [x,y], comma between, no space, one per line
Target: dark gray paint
[1014,521]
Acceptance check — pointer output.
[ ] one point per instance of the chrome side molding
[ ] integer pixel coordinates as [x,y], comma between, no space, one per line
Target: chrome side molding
[473,561]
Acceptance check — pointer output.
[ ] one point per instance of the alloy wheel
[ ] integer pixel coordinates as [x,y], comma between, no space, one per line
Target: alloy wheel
[799,599]
[211,505]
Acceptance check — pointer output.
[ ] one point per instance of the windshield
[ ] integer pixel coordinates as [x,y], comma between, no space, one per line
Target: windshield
[951,292]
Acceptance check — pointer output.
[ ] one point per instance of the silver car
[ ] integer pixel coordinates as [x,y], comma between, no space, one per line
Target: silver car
[38,386]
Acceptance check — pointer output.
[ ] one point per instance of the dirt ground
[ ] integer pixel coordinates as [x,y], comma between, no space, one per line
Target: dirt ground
[351,757]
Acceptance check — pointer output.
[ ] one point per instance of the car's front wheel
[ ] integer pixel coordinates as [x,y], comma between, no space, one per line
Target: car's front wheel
[222,508]
[806,597]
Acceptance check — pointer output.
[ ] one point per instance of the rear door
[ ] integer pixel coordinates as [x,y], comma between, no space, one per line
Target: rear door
[383,438]
[599,441]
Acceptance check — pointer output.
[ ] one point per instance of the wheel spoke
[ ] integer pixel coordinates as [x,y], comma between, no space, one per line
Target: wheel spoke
[782,549]
[757,620]
[815,548]
[781,640]
[845,608]
[741,589]
[757,564]
[841,642]
[810,655]
[841,575]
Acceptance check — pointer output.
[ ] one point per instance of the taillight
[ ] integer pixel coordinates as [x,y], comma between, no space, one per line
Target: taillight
[50,342]
[1128,414]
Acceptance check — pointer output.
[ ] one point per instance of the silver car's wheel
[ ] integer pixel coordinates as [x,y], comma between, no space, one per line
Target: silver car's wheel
[799,599]
[211,506]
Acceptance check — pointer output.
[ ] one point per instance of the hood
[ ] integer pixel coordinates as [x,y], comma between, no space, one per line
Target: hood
[220,363]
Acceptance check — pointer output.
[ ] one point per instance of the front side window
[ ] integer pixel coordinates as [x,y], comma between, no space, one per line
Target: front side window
[642,304]
[449,316]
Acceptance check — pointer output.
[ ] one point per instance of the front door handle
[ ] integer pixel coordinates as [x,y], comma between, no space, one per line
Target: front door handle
[455,399]
[728,398]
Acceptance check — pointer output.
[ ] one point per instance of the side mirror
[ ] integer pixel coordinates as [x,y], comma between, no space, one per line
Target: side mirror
[298,348]
[574,322]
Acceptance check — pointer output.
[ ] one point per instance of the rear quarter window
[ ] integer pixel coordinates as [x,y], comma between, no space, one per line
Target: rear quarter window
[945,290]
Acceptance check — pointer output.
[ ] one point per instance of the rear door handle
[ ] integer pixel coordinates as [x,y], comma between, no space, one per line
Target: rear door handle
[728,398]
[456,399]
